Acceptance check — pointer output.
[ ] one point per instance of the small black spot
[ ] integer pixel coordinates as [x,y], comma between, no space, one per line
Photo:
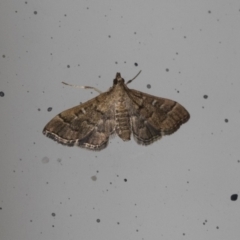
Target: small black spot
[98,220]
[53,214]
[125,180]
[109,36]
[31,220]
[65,15]
[35,12]
[209,12]
[116,62]
[148,86]
[217,227]
[52,225]
[39,109]
[2,94]
[205,96]
[167,70]
[234,197]
[226,120]
[15,11]
[68,66]
[0,208]
[49,109]
[136,64]
[25,2]
[3,56]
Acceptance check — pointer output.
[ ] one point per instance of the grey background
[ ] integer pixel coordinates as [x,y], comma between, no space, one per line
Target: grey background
[177,188]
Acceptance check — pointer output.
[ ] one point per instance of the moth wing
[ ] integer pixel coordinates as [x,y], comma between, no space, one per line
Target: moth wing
[152,117]
[88,125]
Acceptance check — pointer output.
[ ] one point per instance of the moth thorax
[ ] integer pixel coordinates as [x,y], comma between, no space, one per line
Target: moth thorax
[122,122]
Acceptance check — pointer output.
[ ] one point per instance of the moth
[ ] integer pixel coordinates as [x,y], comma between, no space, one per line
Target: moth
[120,111]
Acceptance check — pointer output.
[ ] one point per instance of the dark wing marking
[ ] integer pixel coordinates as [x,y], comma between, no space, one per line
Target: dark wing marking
[152,117]
[88,125]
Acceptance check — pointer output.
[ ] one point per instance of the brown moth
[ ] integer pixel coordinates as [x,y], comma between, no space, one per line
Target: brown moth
[120,110]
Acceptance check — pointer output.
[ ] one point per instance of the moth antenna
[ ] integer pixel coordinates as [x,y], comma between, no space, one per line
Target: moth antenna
[83,87]
[129,81]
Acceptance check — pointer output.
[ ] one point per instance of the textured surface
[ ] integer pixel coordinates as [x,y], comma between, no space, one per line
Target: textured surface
[181,187]
[121,110]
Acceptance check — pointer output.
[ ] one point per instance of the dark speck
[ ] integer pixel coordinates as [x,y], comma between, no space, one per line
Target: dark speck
[98,220]
[226,120]
[45,160]
[49,109]
[53,214]
[234,197]
[209,11]
[116,62]
[205,96]
[148,86]
[3,56]
[2,94]
[39,109]
[68,66]
[109,36]
[94,178]
[167,70]
[0,208]
[125,180]
[35,12]
[136,64]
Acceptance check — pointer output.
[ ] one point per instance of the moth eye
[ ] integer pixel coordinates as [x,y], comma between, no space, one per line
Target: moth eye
[115,81]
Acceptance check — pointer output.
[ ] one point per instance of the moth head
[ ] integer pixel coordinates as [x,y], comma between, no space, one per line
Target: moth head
[118,79]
